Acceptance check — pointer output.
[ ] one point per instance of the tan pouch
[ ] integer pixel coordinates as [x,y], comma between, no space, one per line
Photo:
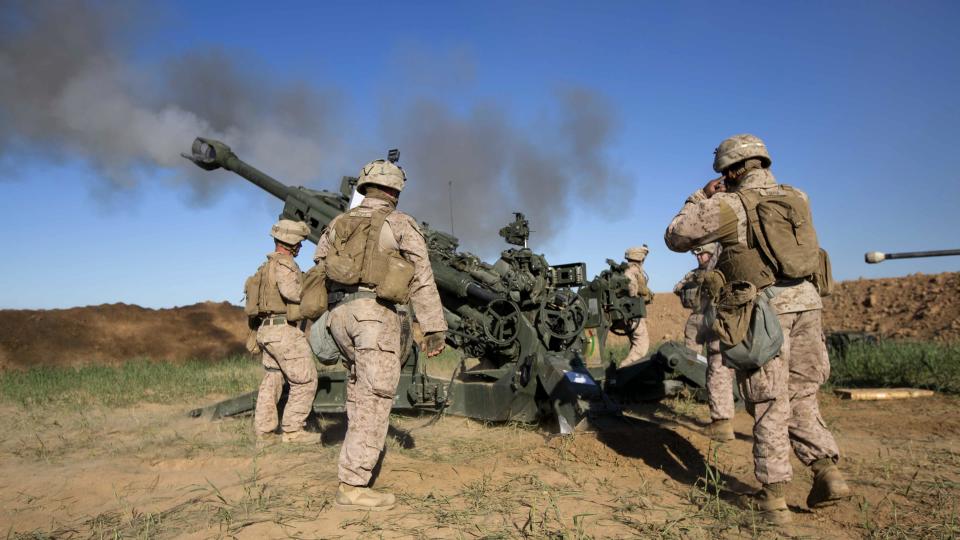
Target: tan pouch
[313,300]
[734,309]
[823,278]
[395,284]
[252,346]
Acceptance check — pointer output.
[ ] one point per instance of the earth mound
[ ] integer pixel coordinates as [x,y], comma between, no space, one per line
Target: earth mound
[115,333]
[916,307]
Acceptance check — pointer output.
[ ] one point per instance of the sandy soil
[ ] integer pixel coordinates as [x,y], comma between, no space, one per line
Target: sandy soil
[152,472]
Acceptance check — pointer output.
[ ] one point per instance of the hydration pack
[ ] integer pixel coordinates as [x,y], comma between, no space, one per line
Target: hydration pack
[780,227]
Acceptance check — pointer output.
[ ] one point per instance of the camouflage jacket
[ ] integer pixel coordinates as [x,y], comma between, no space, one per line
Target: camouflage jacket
[722,218]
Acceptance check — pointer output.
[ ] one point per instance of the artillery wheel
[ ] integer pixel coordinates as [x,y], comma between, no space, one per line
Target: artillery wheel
[502,324]
[562,315]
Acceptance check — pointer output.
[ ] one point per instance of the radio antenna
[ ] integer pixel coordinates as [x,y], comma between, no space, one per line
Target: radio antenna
[450,192]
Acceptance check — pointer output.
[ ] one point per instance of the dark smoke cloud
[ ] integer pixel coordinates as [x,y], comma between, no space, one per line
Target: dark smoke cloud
[68,90]
[497,167]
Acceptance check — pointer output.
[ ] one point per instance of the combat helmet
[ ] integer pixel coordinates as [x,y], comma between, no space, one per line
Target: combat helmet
[381,172]
[740,148]
[637,254]
[289,232]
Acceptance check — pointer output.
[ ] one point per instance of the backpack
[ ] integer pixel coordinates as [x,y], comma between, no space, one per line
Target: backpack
[781,227]
[355,257]
[313,298]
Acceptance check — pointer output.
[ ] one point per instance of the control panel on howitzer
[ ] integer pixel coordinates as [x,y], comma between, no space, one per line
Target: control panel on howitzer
[520,321]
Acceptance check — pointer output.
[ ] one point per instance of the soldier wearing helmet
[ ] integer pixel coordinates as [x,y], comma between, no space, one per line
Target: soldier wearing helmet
[637,328]
[696,334]
[286,353]
[781,395]
[368,287]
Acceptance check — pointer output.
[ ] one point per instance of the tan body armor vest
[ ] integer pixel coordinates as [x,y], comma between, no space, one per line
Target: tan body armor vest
[356,257]
[262,292]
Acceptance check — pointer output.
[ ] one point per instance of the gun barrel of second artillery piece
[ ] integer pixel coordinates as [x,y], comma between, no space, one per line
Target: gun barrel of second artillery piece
[874,257]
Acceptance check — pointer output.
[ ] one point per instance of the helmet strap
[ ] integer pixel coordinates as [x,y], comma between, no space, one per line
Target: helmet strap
[375,192]
[293,249]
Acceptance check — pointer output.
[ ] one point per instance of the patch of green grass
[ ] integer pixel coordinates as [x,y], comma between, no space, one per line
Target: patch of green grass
[133,382]
[898,363]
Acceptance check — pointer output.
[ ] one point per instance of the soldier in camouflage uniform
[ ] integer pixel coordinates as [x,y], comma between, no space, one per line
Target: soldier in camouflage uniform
[637,328]
[719,377]
[368,328]
[286,353]
[782,394]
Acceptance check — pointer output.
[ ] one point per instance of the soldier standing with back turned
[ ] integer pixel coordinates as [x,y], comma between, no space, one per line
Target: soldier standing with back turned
[782,394]
[637,328]
[696,334]
[286,352]
[375,258]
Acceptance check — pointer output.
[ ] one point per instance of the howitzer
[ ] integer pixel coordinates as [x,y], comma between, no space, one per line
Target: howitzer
[520,321]
[874,257]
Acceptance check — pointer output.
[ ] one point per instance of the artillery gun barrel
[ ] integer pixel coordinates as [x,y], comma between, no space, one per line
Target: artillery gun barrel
[315,208]
[874,257]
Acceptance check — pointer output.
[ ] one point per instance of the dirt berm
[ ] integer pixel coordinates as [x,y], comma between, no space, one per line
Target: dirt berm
[916,307]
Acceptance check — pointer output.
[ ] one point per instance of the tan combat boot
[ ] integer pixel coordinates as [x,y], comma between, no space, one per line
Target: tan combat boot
[829,487]
[363,498]
[720,430]
[265,439]
[301,437]
[772,505]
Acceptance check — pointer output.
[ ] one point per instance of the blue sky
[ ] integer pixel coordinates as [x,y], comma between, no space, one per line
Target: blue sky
[856,100]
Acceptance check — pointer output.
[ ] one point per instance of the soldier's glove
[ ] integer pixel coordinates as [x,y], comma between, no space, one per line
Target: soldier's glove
[434,342]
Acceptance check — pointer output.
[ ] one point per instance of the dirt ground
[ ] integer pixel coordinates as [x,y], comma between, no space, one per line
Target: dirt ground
[151,472]
[919,306]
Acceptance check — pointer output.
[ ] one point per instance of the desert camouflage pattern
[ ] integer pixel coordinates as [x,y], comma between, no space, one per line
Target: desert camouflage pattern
[401,233]
[289,231]
[722,218]
[368,332]
[639,341]
[382,173]
[286,357]
[739,148]
[782,395]
[720,380]
[637,328]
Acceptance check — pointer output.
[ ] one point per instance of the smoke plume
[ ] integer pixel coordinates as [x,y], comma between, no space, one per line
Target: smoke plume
[70,89]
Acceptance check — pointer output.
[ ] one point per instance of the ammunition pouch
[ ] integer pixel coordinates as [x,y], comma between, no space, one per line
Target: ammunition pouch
[823,278]
[746,325]
[690,296]
[395,283]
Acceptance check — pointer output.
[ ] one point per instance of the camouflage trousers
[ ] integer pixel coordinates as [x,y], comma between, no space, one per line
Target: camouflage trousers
[286,357]
[719,377]
[782,398]
[639,341]
[369,334]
